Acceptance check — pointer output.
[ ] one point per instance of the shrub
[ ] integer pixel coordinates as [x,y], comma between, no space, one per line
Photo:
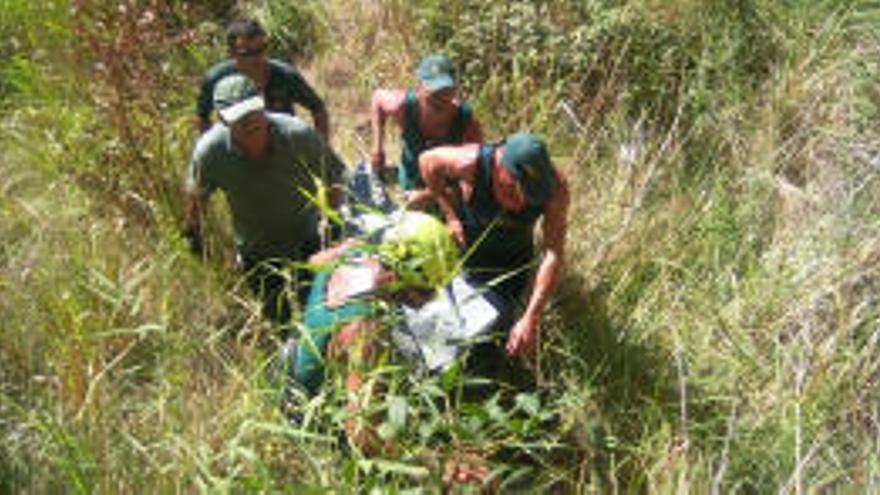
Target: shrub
[298,29]
[648,55]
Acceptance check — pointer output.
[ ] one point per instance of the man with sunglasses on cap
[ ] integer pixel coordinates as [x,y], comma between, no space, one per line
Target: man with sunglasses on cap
[429,115]
[503,189]
[268,166]
[281,85]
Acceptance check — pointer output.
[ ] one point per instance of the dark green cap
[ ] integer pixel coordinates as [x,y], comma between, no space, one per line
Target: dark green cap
[436,72]
[236,96]
[525,157]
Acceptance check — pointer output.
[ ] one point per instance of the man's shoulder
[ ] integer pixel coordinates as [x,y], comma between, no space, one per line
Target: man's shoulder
[301,140]
[282,68]
[389,100]
[212,143]
[563,188]
[288,125]
[220,70]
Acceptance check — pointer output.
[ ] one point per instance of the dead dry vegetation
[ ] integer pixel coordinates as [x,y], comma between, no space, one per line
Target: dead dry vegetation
[716,330]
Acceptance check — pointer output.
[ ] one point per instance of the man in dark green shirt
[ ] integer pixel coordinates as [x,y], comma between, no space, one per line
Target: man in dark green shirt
[504,190]
[281,85]
[268,166]
[429,115]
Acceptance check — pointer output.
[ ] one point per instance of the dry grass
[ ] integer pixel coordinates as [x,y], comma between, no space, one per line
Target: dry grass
[716,329]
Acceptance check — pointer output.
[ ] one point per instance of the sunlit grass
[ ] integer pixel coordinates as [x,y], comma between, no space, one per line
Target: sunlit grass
[716,329]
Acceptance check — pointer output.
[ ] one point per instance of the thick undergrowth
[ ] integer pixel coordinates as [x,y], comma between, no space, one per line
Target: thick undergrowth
[716,329]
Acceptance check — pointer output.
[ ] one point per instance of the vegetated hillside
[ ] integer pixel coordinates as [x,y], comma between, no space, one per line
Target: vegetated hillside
[716,329]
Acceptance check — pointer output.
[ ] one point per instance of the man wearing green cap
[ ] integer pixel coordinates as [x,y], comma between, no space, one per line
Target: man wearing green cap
[504,189]
[428,116]
[268,166]
[280,84]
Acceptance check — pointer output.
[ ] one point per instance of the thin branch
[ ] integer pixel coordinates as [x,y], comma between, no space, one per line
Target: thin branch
[718,478]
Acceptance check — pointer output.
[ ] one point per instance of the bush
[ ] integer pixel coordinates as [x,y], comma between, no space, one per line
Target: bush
[649,55]
[298,29]
[31,43]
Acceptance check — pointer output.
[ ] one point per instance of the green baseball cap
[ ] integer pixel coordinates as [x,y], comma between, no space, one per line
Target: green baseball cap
[236,96]
[436,72]
[525,157]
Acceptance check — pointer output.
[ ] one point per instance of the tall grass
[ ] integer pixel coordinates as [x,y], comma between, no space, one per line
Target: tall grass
[715,331]
[740,246]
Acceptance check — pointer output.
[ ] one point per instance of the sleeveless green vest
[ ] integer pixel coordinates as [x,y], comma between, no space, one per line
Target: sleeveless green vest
[414,143]
[504,239]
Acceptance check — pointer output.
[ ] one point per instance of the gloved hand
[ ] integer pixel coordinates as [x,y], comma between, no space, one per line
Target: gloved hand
[192,236]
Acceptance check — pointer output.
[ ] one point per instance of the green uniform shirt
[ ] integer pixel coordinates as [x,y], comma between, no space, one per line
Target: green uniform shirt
[284,87]
[319,323]
[271,216]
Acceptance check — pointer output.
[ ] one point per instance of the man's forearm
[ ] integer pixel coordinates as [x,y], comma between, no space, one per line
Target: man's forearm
[437,187]
[545,281]
[192,225]
[377,122]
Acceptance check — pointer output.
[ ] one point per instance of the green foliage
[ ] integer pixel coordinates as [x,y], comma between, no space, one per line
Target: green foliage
[31,42]
[648,56]
[137,54]
[296,28]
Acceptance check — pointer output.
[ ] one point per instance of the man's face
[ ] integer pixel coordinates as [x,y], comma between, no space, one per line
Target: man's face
[251,133]
[506,189]
[438,100]
[249,54]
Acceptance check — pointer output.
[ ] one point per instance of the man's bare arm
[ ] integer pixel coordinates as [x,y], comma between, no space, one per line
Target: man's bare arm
[554,227]
[192,223]
[438,166]
[385,103]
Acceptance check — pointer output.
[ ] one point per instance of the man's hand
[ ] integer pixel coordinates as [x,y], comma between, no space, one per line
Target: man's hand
[522,336]
[457,231]
[377,160]
[417,199]
[192,236]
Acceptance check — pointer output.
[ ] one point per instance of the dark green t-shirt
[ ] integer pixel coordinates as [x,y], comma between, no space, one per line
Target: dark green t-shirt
[271,216]
[284,88]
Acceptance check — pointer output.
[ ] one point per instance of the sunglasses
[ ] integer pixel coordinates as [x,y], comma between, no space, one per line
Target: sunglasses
[250,52]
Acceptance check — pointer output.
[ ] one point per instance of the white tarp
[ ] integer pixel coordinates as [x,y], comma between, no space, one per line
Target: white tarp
[434,333]
[438,330]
